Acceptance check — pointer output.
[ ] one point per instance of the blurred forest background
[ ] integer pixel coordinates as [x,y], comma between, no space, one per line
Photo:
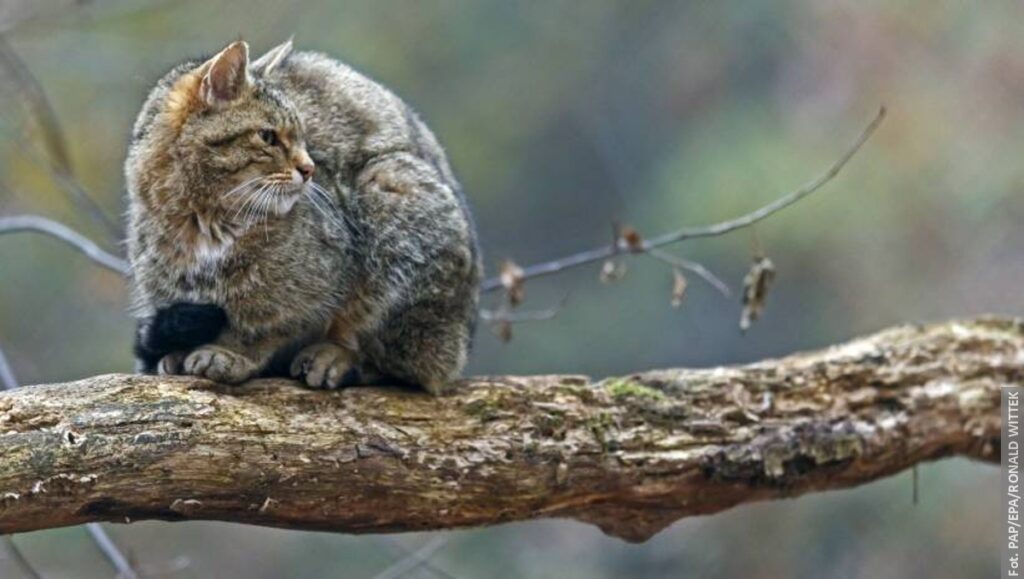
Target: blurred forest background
[560,117]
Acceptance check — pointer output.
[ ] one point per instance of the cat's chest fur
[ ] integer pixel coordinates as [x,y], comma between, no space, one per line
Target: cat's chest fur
[267,263]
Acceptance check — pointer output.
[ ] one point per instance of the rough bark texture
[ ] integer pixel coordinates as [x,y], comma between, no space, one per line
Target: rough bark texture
[628,454]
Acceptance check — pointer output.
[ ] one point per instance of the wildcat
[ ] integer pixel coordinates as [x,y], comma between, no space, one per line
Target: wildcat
[291,216]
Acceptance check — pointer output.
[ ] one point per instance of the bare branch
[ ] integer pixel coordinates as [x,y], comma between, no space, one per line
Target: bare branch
[604,252]
[697,268]
[629,454]
[31,93]
[57,161]
[777,205]
[19,558]
[413,560]
[506,315]
[111,551]
[38,224]
[501,319]
[7,379]
[401,553]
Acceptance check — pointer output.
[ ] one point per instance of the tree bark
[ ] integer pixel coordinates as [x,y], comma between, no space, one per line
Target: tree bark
[629,454]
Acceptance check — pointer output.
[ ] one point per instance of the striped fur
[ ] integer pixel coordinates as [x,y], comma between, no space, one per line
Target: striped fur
[372,266]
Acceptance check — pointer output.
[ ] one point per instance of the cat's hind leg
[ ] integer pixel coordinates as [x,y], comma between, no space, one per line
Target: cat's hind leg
[425,345]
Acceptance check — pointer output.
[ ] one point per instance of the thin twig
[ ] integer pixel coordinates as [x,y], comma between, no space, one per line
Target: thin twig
[57,161]
[915,495]
[698,269]
[402,552]
[7,379]
[516,317]
[76,192]
[39,224]
[19,559]
[505,315]
[606,251]
[110,550]
[31,92]
[414,560]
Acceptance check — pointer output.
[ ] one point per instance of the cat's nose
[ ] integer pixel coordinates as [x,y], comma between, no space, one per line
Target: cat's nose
[306,170]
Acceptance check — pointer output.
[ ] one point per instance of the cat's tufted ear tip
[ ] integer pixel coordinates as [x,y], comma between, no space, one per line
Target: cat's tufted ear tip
[240,47]
[275,56]
[227,74]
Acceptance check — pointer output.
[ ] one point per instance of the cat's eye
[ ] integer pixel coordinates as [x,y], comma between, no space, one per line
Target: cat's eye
[268,136]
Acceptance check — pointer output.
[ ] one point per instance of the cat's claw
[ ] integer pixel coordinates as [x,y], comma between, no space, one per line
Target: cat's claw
[220,365]
[325,365]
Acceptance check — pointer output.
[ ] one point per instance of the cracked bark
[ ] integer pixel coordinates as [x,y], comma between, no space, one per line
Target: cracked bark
[629,454]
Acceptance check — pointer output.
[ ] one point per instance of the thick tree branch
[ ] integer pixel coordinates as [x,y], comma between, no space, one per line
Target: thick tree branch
[96,531]
[629,454]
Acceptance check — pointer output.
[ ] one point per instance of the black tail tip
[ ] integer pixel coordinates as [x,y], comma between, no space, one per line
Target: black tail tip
[179,327]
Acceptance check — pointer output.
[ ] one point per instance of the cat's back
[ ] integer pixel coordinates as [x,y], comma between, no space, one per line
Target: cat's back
[350,118]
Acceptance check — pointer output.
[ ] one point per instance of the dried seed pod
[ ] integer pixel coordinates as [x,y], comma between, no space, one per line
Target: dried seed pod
[632,238]
[612,270]
[755,289]
[679,284]
[503,330]
[511,276]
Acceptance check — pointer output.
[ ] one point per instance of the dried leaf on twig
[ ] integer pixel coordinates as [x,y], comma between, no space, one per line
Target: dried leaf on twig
[502,329]
[755,289]
[632,239]
[512,279]
[679,284]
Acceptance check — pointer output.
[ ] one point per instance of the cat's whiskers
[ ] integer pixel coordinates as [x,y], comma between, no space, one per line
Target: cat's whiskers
[333,211]
[268,204]
[263,196]
[269,201]
[328,203]
[255,210]
[321,210]
[259,211]
[247,191]
[251,195]
[241,187]
[324,212]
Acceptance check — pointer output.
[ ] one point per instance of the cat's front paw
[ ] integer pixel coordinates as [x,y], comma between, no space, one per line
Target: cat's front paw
[325,365]
[171,364]
[220,365]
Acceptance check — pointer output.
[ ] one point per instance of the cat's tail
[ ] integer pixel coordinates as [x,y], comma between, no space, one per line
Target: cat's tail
[180,327]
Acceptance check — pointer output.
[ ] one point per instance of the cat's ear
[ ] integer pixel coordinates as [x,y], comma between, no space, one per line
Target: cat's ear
[266,63]
[227,75]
